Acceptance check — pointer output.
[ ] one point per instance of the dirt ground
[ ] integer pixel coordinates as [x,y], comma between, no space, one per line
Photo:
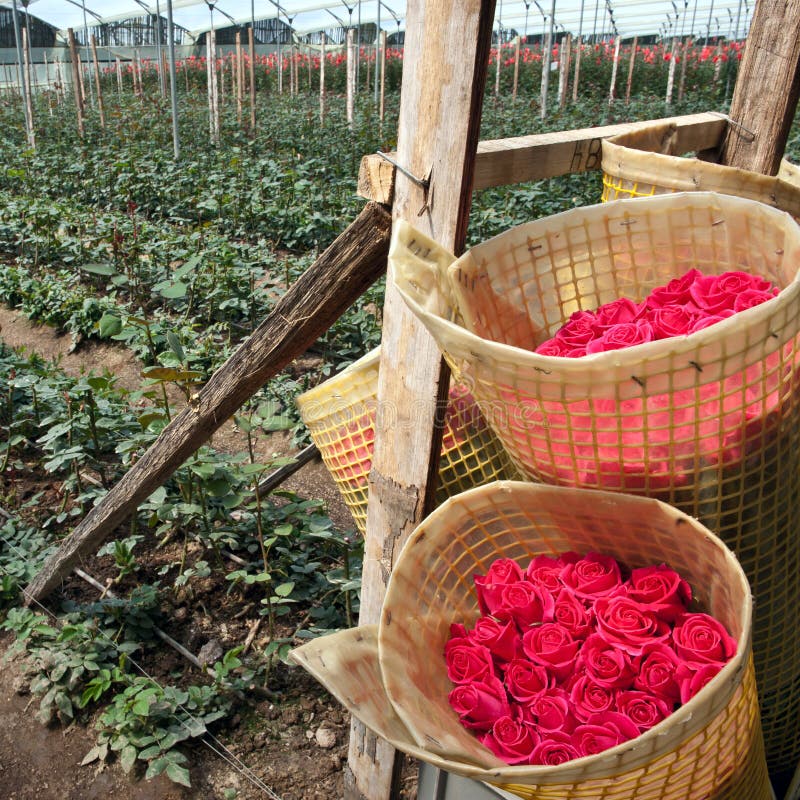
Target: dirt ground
[296,744]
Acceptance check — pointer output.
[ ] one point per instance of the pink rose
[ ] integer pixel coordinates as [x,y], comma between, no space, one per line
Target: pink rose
[546,571]
[675,293]
[501,638]
[511,741]
[628,625]
[716,293]
[554,749]
[570,612]
[467,661]
[712,319]
[555,347]
[603,731]
[525,681]
[626,334]
[616,313]
[671,321]
[642,709]
[550,711]
[524,603]
[607,664]
[480,704]
[551,646]
[593,576]
[588,697]
[700,639]
[488,586]
[753,297]
[658,673]
[661,590]
[578,331]
[693,680]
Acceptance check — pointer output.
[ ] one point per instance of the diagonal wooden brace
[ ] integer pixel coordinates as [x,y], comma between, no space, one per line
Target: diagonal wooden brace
[313,303]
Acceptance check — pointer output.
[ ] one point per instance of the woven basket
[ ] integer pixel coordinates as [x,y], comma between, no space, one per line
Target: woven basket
[340,417]
[710,748]
[644,162]
[708,422]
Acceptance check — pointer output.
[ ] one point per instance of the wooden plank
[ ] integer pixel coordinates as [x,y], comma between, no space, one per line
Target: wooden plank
[311,305]
[437,137]
[767,89]
[502,162]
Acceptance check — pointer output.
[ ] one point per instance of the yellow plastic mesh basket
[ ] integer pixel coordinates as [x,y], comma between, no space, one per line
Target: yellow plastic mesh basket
[340,417]
[645,162]
[709,422]
[395,679]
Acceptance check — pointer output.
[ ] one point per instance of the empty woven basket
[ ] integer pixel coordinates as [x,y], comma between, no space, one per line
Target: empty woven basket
[709,422]
[340,417]
[710,748]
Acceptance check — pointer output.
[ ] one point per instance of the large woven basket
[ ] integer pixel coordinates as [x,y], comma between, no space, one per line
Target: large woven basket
[645,162]
[710,748]
[709,422]
[340,417]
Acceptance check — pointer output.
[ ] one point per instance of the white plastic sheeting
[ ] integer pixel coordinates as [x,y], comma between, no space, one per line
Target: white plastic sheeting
[698,18]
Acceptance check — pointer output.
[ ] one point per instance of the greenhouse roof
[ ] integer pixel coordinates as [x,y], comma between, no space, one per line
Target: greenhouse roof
[628,18]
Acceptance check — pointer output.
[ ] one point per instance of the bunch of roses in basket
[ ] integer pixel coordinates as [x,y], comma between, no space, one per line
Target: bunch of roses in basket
[568,659]
[685,305]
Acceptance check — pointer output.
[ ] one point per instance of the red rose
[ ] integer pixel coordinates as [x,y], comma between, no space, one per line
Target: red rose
[546,571]
[693,680]
[502,572]
[550,711]
[525,681]
[551,646]
[602,731]
[716,293]
[467,661]
[588,697]
[480,704]
[501,638]
[555,347]
[616,312]
[628,625]
[642,709]
[661,590]
[626,334]
[511,741]
[658,673]
[525,603]
[712,319]
[700,639]
[570,612]
[752,297]
[555,749]
[671,321]
[607,664]
[578,331]
[593,576]
[675,293]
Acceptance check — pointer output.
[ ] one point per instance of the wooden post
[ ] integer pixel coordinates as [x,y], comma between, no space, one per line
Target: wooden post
[308,62]
[718,62]
[630,70]
[26,65]
[209,86]
[80,79]
[546,53]
[76,81]
[322,82]
[671,74]
[614,66]
[239,77]
[383,77]
[437,137]
[516,69]
[766,93]
[311,305]
[351,75]
[688,49]
[497,70]
[252,48]
[368,73]
[577,76]
[563,74]
[97,84]
[119,76]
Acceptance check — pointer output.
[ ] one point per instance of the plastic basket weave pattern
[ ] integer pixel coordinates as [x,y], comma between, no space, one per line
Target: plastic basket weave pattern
[644,162]
[340,417]
[710,748]
[708,422]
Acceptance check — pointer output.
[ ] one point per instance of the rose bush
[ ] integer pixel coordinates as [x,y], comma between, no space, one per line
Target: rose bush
[571,656]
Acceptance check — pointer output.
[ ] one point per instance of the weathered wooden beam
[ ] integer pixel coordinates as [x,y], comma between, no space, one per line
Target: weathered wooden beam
[767,89]
[311,305]
[444,77]
[501,162]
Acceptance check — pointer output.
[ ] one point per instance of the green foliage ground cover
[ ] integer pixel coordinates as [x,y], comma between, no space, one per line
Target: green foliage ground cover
[109,237]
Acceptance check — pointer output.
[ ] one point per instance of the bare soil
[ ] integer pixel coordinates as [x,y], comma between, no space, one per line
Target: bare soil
[295,742]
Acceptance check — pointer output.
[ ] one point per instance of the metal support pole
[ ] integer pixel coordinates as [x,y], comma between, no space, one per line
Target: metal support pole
[162,80]
[86,50]
[173,92]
